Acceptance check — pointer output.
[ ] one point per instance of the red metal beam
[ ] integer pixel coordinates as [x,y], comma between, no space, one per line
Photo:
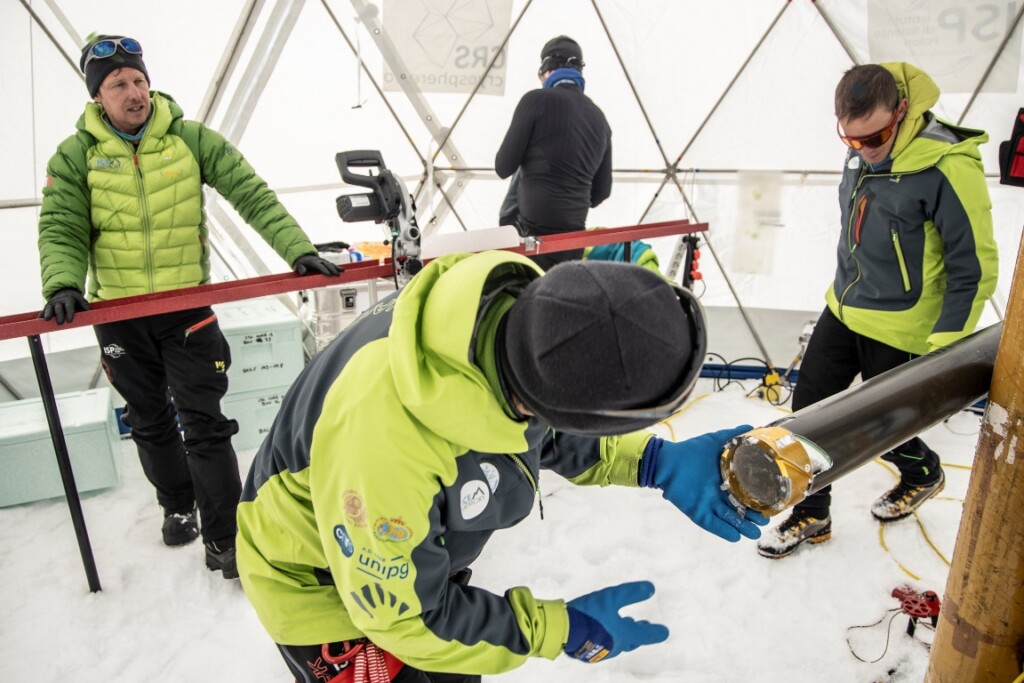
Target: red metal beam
[591,238]
[27,324]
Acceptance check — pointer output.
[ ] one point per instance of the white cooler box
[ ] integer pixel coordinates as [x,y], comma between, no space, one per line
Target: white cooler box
[266,344]
[255,411]
[27,460]
[266,357]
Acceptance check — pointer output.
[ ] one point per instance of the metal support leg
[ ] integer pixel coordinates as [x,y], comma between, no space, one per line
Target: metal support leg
[60,447]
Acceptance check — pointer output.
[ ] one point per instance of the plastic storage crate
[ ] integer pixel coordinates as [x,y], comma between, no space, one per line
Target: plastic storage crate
[266,344]
[255,411]
[27,460]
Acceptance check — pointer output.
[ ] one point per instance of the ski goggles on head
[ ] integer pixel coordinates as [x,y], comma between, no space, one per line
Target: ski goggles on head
[876,139]
[102,49]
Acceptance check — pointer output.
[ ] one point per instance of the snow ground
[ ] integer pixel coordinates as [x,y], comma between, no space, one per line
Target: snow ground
[734,616]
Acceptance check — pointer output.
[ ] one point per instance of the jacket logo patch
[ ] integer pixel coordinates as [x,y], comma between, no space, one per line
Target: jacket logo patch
[344,542]
[355,509]
[107,164]
[474,498]
[854,163]
[393,529]
[171,172]
[381,567]
[375,597]
[220,366]
[113,351]
[491,472]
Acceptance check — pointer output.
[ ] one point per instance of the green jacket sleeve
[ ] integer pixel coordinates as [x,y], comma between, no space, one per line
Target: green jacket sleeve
[963,217]
[226,170]
[587,461]
[64,224]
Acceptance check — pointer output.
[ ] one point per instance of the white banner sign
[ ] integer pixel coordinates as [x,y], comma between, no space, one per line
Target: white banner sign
[953,40]
[446,45]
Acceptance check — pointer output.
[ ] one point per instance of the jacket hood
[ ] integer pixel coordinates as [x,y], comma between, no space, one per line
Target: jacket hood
[164,111]
[932,137]
[430,340]
[921,94]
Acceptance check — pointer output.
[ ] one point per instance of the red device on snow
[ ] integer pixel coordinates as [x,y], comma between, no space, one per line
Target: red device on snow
[917,605]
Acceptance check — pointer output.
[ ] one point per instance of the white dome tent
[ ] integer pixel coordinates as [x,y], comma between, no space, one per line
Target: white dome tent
[719,119]
[721,113]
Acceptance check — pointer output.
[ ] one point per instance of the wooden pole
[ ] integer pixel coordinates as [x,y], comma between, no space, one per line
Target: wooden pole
[980,635]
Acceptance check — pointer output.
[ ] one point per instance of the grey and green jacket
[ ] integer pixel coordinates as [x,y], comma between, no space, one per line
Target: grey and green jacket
[391,462]
[133,217]
[917,258]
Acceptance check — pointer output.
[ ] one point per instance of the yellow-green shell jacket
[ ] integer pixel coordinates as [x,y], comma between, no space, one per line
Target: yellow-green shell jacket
[389,466]
[134,216]
[917,258]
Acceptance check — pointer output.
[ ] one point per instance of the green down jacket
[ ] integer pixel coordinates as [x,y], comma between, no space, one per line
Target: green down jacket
[135,218]
[390,464]
[917,257]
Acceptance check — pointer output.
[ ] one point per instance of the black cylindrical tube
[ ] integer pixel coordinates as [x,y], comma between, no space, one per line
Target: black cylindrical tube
[873,417]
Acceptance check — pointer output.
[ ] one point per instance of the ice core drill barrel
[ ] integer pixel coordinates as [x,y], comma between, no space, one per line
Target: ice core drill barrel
[772,468]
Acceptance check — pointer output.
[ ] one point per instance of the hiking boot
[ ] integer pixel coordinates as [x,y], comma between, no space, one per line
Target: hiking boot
[901,500]
[221,555]
[800,527]
[180,528]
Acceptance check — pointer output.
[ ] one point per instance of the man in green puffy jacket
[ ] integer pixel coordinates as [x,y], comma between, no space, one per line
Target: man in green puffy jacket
[123,210]
[422,429]
[917,262]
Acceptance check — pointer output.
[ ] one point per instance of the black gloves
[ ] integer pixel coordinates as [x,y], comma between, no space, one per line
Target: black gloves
[311,263]
[63,304]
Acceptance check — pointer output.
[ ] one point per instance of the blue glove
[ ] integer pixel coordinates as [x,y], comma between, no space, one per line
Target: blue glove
[62,305]
[596,631]
[689,477]
[311,263]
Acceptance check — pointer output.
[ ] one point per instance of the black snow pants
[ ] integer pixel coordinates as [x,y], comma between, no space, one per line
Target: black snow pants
[172,368]
[834,357]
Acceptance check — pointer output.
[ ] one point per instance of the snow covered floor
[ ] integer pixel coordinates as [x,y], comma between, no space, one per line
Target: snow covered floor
[734,616]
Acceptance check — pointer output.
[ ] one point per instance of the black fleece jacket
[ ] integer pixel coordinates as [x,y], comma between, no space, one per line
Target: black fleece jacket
[562,142]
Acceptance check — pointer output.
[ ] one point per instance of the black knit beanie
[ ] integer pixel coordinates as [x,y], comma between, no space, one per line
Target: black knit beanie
[561,51]
[98,69]
[593,336]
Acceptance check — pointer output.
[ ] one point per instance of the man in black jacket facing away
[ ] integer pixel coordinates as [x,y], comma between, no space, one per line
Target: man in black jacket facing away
[560,143]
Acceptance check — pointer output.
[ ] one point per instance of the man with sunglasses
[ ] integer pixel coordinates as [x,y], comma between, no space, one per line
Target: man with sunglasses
[123,205]
[917,262]
[422,429]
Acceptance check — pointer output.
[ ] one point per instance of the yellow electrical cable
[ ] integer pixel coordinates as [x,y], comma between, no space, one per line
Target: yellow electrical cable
[881,539]
[671,431]
[920,524]
[928,540]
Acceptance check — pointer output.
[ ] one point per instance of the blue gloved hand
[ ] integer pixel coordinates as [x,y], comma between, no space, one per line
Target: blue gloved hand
[688,474]
[597,631]
[62,305]
[311,263]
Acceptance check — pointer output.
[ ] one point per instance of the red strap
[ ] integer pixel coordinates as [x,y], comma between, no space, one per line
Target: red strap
[370,664]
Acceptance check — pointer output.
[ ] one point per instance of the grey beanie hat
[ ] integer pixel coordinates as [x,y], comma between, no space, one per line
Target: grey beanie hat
[97,70]
[596,347]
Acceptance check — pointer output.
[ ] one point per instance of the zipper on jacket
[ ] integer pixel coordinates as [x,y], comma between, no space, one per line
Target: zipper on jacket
[862,205]
[529,477]
[894,230]
[146,230]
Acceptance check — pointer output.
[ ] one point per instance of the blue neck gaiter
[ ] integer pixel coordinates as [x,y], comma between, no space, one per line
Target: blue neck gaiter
[564,75]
